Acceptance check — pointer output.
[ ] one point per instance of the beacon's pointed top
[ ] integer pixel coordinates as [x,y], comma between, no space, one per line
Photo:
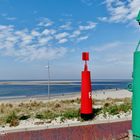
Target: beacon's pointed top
[138,18]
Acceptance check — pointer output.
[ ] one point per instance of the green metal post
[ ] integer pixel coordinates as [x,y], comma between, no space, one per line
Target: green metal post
[136,92]
[136,96]
[138,18]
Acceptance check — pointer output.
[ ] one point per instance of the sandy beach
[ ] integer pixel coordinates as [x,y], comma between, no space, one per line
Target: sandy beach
[98,94]
[113,93]
[100,97]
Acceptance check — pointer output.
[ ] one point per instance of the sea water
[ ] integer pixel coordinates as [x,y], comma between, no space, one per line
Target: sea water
[71,87]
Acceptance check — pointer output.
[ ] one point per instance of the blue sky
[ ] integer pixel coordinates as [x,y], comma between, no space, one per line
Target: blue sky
[33,32]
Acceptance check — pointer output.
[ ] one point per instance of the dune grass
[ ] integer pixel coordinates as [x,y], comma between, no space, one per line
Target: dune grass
[13,113]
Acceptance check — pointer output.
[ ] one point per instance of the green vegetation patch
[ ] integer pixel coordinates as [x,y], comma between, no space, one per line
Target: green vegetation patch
[116,109]
[46,115]
[71,113]
[13,113]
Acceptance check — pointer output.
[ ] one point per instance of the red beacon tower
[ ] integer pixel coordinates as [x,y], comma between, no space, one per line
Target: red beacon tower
[86,91]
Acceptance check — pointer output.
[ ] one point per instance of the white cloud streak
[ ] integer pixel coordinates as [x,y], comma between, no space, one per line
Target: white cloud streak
[106,47]
[88,2]
[121,11]
[91,25]
[82,38]
[112,53]
[11,18]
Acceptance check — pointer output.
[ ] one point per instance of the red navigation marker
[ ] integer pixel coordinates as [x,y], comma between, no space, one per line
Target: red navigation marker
[86,91]
[85,56]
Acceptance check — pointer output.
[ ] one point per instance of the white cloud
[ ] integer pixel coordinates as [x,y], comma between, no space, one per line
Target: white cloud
[121,11]
[106,47]
[91,25]
[48,31]
[3,27]
[35,33]
[45,22]
[112,60]
[75,33]
[44,40]
[102,18]
[82,38]
[11,18]
[64,40]
[41,42]
[61,35]
[40,53]
[21,44]
[66,26]
[5,16]
[112,53]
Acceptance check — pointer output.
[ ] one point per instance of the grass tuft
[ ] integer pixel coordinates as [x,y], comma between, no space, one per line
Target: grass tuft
[12,119]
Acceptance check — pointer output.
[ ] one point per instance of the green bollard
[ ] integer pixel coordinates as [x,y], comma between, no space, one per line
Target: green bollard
[136,97]
[136,92]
